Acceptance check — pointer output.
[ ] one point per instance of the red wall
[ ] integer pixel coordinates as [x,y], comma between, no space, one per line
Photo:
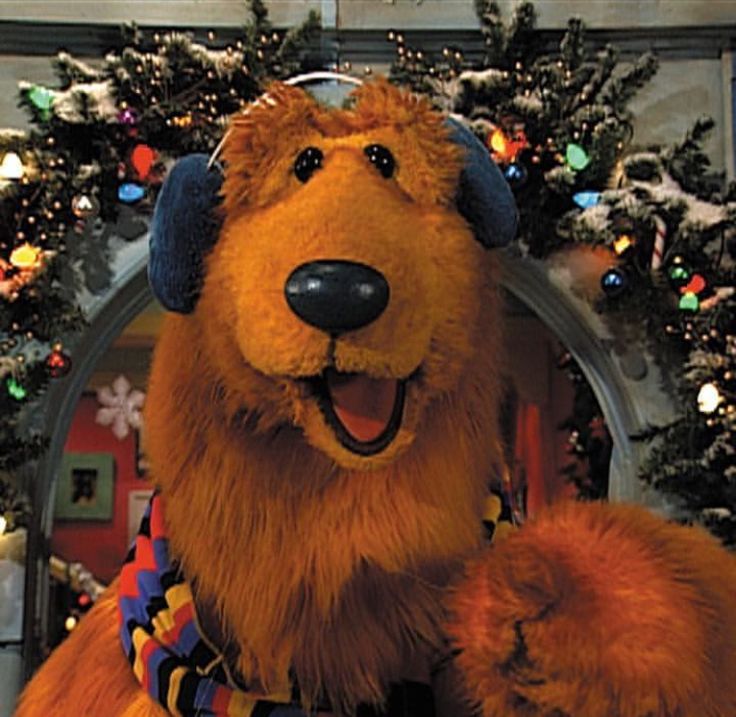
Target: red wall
[545,397]
[99,546]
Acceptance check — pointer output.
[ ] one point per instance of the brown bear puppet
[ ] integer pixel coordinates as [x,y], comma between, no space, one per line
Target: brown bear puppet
[321,422]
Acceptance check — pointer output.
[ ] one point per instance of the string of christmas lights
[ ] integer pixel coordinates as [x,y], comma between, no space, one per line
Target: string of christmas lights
[86,176]
[556,120]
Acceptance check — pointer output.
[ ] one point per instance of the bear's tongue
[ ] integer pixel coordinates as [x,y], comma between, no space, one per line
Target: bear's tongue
[363,405]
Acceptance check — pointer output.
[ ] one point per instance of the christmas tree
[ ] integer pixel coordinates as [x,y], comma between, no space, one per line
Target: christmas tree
[86,176]
[557,122]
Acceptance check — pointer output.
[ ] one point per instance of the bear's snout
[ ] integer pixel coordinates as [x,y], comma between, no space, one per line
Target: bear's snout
[337,296]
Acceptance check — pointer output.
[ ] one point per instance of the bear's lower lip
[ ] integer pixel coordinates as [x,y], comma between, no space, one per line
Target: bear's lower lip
[365,413]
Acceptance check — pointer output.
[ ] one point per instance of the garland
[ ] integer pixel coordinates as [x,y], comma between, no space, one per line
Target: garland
[556,119]
[83,182]
[653,226]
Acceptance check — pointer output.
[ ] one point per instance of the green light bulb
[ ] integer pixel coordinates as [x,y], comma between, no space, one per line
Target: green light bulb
[680,274]
[689,302]
[576,156]
[15,389]
[42,99]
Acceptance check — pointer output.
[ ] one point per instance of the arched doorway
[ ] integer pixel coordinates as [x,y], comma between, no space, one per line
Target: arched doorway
[530,283]
[526,279]
[108,315]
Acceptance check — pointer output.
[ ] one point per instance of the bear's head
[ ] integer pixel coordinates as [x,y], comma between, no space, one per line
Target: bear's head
[343,289]
[321,414]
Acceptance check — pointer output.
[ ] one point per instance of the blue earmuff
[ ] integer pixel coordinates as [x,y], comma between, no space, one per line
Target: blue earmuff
[484,197]
[183,230]
[185,226]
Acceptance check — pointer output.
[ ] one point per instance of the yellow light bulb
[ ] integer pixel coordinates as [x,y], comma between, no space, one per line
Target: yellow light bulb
[622,243]
[499,142]
[11,167]
[70,623]
[709,397]
[26,256]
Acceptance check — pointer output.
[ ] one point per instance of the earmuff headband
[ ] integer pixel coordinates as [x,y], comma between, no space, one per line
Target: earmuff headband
[184,228]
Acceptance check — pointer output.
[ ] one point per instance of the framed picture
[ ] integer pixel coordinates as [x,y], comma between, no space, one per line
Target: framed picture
[85,487]
[137,504]
[141,461]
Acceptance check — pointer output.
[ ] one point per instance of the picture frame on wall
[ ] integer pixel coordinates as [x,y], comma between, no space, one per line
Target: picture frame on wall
[141,460]
[138,501]
[85,489]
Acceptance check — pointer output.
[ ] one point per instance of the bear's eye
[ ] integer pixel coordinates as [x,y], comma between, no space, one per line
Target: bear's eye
[307,163]
[381,158]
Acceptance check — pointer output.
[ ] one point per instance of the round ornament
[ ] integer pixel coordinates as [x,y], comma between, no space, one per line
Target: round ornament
[515,174]
[58,363]
[84,206]
[128,116]
[614,282]
[130,193]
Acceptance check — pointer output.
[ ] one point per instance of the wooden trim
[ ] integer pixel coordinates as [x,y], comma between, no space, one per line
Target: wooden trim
[372,14]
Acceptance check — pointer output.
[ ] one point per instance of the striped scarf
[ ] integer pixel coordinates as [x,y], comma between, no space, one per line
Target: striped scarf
[181,669]
[171,657]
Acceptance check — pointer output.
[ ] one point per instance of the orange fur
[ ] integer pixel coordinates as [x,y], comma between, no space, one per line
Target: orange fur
[340,554]
[314,557]
[335,565]
[89,675]
[600,611]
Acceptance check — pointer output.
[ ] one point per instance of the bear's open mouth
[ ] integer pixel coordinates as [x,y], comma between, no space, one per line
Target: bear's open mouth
[365,413]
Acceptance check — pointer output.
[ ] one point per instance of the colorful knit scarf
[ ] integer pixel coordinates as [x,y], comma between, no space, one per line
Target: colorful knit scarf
[169,653]
[180,668]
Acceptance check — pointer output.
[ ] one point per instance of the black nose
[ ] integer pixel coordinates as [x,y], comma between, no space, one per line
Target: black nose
[337,296]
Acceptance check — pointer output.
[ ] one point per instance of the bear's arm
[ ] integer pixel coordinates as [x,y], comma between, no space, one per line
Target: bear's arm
[593,610]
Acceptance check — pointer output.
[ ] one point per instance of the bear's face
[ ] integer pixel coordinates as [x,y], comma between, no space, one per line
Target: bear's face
[360,200]
[329,407]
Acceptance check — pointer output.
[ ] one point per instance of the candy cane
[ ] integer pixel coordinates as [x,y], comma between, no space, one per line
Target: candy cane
[659,238]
